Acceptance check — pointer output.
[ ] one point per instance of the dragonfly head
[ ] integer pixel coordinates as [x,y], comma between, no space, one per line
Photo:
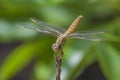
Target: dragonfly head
[56,47]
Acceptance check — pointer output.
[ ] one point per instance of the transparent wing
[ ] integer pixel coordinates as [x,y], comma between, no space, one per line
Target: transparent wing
[87,33]
[93,36]
[48,27]
[38,29]
[85,37]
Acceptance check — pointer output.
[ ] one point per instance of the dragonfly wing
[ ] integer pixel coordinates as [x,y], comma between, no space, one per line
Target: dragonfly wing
[88,33]
[49,27]
[38,29]
[87,37]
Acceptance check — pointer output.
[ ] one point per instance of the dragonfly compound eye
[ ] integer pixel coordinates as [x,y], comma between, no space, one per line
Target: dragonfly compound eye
[55,47]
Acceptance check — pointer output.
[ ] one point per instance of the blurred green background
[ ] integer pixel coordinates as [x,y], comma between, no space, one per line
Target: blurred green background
[27,55]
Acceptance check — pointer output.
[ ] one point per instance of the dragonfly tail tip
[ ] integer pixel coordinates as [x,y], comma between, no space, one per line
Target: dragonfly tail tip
[80,16]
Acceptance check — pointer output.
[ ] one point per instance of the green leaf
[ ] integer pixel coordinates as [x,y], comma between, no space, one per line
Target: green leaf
[87,60]
[109,61]
[21,56]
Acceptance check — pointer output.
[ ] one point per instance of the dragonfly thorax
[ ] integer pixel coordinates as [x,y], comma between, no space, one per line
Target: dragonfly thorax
[57,46]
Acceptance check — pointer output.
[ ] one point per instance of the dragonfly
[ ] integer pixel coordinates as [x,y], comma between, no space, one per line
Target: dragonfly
[62,34]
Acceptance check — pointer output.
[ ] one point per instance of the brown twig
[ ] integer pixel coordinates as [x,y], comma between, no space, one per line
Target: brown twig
[58,61]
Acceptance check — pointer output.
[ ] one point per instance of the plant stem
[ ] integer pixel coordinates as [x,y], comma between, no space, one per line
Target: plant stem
[58,62]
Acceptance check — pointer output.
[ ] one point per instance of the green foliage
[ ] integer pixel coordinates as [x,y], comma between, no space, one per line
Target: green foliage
[99,15]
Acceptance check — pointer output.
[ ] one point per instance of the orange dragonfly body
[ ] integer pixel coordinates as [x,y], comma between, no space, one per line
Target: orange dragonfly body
[63,36]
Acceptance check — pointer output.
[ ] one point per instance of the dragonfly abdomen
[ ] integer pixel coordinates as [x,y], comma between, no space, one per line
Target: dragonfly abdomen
[73,26]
